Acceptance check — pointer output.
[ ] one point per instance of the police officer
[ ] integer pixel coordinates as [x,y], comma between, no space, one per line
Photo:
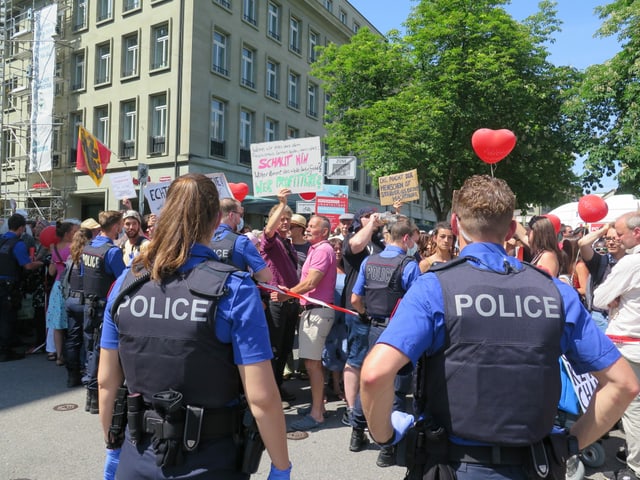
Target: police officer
[13,259]
[102,263]
[181,324]
[382,281]
[492,330]
[236,249]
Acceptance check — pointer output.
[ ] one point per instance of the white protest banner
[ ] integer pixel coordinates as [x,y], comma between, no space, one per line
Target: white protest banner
[584,384]
[400,187]
[221,184]
[122,185]
[295,164]
[156,194]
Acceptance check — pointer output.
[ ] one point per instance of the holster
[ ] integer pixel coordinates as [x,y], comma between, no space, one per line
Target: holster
[424,450]
[167,447]
[549,456]
[252,445]
[135,417]
[118,419]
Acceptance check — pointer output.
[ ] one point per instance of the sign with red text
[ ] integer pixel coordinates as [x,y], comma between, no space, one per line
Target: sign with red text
[295,164]
[400,187]
[332,202]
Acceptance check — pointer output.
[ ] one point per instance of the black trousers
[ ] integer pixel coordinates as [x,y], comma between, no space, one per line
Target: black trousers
[8,316]
[282,318]
[74,339]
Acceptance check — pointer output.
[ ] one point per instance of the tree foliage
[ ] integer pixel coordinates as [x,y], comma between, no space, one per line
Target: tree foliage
[605,108]
[414,102]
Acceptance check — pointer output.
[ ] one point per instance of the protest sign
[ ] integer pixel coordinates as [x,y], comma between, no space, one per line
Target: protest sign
[156,194]
[122,185]
[221,184]
[332,202]
[295,164]
[400,187]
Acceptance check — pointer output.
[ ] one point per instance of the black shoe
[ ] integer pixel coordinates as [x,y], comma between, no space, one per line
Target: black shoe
[359,440]
[387,457]
[74,379]
[10,355]
[286,395]
[626,474]
[621,456]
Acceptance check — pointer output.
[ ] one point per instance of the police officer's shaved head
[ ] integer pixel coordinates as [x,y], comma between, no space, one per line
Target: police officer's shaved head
[401,227]
[108,219]
[484,206]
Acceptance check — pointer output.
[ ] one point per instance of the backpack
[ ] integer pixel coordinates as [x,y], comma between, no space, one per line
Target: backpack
[65,278]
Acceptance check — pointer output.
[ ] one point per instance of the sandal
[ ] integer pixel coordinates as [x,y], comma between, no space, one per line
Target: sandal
[51,356]
[306,423]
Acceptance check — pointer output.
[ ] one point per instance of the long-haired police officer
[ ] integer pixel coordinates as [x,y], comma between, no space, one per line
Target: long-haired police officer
[188,333]
[492,330]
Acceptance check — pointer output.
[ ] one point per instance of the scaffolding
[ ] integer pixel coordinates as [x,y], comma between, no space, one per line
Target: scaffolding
[40,193]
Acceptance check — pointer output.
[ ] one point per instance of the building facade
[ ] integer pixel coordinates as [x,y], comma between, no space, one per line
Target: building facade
[177,85]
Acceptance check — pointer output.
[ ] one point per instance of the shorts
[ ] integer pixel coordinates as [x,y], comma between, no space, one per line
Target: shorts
[357,341]
[315,325]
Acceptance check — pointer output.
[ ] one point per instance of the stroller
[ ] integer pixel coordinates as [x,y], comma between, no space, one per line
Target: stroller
[577,391]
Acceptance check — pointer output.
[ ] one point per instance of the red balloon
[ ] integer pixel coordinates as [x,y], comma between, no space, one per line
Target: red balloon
[48,236]
[492,145]
[308,196]
[592,208]
[239,190]
[555,221]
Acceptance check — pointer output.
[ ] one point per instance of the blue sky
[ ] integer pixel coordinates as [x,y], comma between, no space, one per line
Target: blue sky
[575,45]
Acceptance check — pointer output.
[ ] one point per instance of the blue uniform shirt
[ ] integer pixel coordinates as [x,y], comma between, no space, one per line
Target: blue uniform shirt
[246,329]
[409,275]
[418,323]
[113,261]
[245,254]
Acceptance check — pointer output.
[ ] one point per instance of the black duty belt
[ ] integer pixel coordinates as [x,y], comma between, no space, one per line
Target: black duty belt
[380,322]
[311,306]
[215,424]
[489,455]
[94,301]
[76,294]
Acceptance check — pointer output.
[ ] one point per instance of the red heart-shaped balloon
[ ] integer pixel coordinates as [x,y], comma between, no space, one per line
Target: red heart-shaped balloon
[239,190]
[48,236]
[493,145]
[592,208]
[555,221]
[308,196]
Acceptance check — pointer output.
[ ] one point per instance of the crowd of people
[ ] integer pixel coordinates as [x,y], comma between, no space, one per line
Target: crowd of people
[381,312]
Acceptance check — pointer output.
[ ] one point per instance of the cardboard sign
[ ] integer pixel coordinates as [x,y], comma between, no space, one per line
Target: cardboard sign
[156,194]
[122,185]
[399,187]
[295,164]
[221,184]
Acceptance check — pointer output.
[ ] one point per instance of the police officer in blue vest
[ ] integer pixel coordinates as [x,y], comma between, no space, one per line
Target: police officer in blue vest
[490,330]
[189,335]
[102,263]
[13,259]
[382,281]
[233,248]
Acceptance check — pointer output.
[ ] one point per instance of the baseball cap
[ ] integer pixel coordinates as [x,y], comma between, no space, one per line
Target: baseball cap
[347,217]
[132,214]
[90,223]
[363,212]
[299,220]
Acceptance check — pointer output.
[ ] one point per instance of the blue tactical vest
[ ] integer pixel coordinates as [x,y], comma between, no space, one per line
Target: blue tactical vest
[383,284]
[75,279]
[224,246]
[9,266]
[168,340]
[96,280]
[497,378]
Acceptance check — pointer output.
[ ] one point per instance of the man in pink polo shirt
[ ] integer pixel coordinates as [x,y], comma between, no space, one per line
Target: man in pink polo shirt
[318,280]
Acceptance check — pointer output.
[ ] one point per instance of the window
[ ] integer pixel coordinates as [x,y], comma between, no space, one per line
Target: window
[101,124]
[105,10]
[328,4]
[79,14]
[273,21]
[160,39]
[292,132]
[294,34]
[249,11]
[246,126]
[128,122]
[219,63]
[313,43]
[217,128]
[356,27]
[75,120]
[130,5]
[158,106]
[343,17]
[77,72]
[224,3]
[270,130]
[130,55]
[247,68]
[272,79]
[312,100]
[103,63]
[294,87]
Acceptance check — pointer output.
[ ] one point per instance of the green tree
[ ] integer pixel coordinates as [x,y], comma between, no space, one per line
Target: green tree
[414,102]
[605,108]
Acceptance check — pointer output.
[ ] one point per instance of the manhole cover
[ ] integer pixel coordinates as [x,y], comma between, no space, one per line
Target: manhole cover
[297,435]
[64,407]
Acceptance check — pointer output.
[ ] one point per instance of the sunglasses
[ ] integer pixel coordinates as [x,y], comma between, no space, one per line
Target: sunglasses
[600,250]
[611,239]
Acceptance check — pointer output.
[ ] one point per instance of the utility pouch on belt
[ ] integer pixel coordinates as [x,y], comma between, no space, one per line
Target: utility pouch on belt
[118,419]
[192,427]
[167,448]
[424,451]
[549,456]
[252,444]
[135,417]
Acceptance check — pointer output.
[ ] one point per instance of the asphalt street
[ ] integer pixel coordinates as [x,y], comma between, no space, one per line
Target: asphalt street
[45,433]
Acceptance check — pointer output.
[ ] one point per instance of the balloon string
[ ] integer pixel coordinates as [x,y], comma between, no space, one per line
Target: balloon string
[492,169]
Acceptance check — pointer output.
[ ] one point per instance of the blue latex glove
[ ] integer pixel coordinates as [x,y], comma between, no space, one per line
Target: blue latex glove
[276,474]
[401,422]
[111,464]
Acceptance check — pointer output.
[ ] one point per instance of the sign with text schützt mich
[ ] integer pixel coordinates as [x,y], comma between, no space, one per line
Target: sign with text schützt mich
[295,164]
[399,187]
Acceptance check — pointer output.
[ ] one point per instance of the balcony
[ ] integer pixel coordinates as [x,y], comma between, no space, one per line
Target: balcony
[157,145]
[128,149]
[217,148]
[247,83]
[245,156]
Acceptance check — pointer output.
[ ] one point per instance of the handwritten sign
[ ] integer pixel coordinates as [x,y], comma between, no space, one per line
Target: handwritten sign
[400,187]
[221,184]
[122,185]
[295,164]
[156,194]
